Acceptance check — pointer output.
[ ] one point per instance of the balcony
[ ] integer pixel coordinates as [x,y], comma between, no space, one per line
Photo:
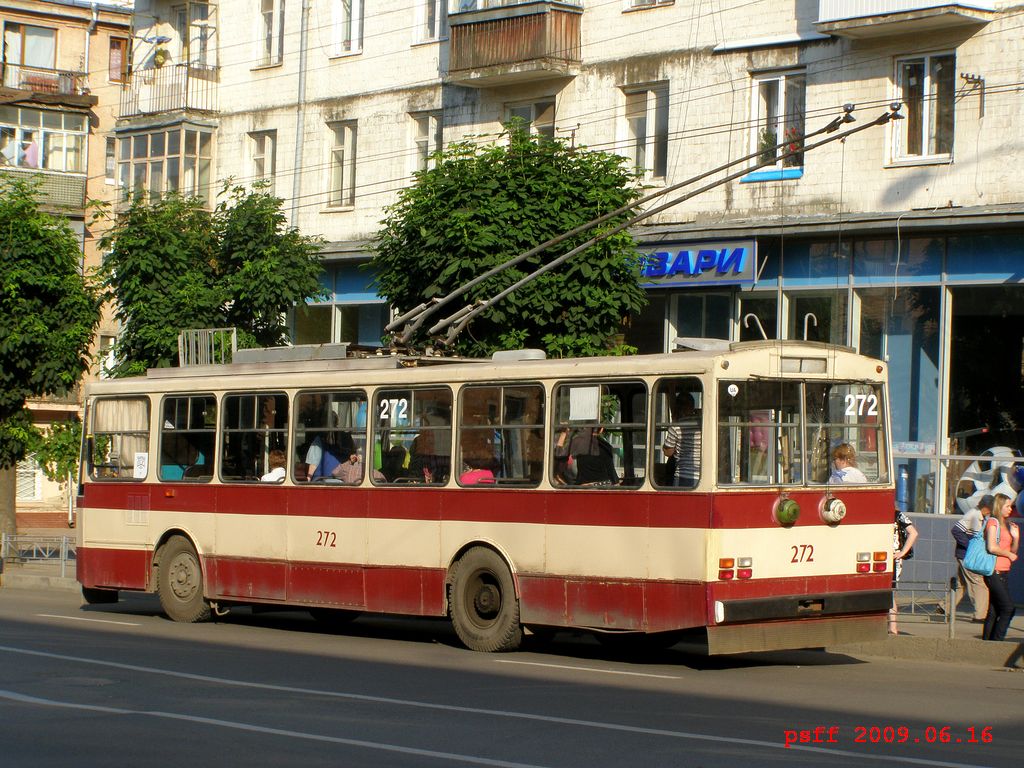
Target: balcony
[47,86]
[56,190]
[865,19]
[179,87]
[493,44]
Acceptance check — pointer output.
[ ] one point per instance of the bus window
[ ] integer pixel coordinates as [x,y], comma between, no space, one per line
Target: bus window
[600,435]
[253,426]
[187,434]
[501,435]
[330,437]
[119,439]
[758,432]
[847,417]
[677,432]
[412,441]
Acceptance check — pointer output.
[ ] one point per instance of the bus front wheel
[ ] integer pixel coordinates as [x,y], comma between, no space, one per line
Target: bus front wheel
[180,584]
[484,608]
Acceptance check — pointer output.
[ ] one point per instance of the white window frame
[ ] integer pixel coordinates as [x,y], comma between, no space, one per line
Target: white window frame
[539,115]
[431,20]
[342,164]
[32,138]
[347,27]
[28,472]
[645,107]
[110,160]
[770,119]
[263,148]
[201,32]
[426,137]
[635,5]
[269,33]
[928,105]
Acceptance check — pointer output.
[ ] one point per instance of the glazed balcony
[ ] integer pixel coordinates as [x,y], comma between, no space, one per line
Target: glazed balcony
[864,19]
[171,88]
[494,44]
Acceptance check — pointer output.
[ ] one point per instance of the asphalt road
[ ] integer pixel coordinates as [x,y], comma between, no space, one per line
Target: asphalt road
[120,685]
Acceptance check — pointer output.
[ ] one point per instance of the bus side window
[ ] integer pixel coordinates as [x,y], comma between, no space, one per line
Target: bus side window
[412,438]
[330,437]
[187,432]
[678,409]
[501,435]
[252,426]
[759,440]
[119,439]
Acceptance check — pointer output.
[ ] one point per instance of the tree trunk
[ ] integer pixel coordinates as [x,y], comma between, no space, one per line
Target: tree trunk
[8,485]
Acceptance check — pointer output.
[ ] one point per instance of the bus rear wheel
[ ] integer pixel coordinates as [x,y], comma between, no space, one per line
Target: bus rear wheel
[483,605]
[180,582]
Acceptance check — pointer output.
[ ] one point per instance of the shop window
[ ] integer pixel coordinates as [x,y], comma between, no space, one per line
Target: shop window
[817,316]
[646,129]
[927,87]
[646,331]
[501,435]
[187,435]
[758,313]
[703,315]
[778,111]
[876,261]
[600,436]
[412,436]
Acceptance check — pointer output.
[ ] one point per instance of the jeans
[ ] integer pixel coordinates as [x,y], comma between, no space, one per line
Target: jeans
[1000,606]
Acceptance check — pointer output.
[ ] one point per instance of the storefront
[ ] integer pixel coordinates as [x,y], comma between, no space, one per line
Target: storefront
[944,309]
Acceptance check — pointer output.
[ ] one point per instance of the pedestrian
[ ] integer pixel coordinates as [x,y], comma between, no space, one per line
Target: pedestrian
[973,584]
[903,537]
[1002,539]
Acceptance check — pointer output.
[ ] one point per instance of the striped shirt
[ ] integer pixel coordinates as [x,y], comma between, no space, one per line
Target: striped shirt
[684,440]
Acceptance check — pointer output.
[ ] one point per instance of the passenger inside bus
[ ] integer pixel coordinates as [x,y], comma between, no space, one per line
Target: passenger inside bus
[324,456]
[276,462]
[682,443]
[586,458]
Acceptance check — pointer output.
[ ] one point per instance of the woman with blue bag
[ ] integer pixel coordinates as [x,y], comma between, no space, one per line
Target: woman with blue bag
[1002,539]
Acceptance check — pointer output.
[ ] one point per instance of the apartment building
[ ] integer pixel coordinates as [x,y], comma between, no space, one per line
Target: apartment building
[62,67]
[903,241]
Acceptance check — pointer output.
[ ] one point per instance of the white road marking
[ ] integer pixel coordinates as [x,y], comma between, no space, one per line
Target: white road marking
[529,716]
[587,669]
[449,756]
[95,621]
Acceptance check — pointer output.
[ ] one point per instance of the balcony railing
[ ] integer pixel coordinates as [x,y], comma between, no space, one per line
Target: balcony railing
[494,44]
[58,190]
[168,89]
[876,18]
[38,80]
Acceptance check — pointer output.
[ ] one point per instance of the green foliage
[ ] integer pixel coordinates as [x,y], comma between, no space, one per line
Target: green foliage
[479,207]
[173,265]
[56,450]
[48,312]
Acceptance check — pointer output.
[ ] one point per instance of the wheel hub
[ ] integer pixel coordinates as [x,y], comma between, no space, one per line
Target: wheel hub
[182,579]
[487,600]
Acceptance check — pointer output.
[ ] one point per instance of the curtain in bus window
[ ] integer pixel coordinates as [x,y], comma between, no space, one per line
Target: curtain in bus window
[413,435]
[330,437]
[759,433]
[601,434]
[119,438]
[848,417]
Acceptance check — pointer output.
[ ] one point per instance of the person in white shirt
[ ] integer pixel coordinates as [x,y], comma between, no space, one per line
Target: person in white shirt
[844,459]
[276,462]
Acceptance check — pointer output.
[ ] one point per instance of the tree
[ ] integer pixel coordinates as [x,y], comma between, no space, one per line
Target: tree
[173,265]
[48,314]
[479,206]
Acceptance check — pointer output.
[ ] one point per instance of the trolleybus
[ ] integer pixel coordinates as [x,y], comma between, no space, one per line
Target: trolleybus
[647,494]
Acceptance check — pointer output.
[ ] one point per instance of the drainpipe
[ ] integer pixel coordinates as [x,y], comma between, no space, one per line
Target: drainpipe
[89,31]
[300,113]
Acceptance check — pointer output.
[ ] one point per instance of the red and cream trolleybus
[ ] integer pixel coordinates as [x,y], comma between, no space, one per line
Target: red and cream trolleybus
[645,494]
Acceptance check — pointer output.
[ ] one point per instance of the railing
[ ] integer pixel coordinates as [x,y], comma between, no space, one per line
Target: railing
[838,10]
[56,550]
[169,88]
[207,346]
[515,34]
[40,80]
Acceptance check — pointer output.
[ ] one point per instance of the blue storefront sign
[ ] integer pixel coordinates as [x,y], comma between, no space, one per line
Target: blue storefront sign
[729,262]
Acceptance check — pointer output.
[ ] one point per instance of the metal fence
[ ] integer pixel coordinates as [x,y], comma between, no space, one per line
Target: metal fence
[58,551]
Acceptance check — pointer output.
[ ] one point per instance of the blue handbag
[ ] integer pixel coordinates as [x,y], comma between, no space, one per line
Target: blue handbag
[978,559]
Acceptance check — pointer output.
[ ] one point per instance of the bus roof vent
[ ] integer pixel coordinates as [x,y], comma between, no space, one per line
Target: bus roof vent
[517,355]
[684,343]
[297,353]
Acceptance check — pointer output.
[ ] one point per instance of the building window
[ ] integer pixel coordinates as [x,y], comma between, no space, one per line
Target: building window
[110,160]
[431,20]
[29,480]
[647,129]
[539,116]
[427,138]
[175,160]
[264,155]
[348,26]
[632,4]
[927,87]
[117,68]
[343,165]
[35,138]
[27,50]
[197,36]
[271,32]
[779,108]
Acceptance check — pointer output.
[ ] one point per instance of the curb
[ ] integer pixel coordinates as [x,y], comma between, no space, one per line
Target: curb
[14,580]
[1005,654]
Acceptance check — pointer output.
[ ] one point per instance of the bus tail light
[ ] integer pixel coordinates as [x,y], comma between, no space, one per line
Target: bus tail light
[726,575]
[863,562]
[735,568]
[745,567]
[872,562]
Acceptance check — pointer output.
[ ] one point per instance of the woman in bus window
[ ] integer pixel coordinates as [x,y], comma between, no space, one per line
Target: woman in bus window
[844,458]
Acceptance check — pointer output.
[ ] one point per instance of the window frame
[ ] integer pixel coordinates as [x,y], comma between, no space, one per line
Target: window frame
[208,430]
[503,426]
[122,472]
[279,429]
[929,105]
[431,21]
[258,141]
[186,148]
[781,121]
[341,189]
[641,141]
[414,427]
[270,34]
[123,73]
[30,128]
[303,426]
[428,141]
[347,27]
[537,108]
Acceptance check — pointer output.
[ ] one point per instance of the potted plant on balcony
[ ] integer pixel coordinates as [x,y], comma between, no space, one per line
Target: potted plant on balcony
[161,56]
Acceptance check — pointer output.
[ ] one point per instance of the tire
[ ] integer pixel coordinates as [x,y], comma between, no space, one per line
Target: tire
[333,618]
[180,582]
[94,596]
[483,604]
